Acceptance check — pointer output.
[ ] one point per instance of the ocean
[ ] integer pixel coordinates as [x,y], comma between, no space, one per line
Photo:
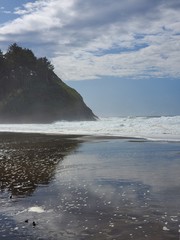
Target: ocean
[152,128]
[59,185]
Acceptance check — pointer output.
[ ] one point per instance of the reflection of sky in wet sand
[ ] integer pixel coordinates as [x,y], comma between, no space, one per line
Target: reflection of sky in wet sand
[156,164]
[105,190]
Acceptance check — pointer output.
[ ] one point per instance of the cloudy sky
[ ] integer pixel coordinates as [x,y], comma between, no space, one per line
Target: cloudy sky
[123,56]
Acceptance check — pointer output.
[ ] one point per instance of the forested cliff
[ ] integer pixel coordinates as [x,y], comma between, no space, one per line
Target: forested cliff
[30,91]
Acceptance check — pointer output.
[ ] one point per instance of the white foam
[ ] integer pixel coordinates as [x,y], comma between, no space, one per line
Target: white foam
[165,228]
[36,209]
[152,128]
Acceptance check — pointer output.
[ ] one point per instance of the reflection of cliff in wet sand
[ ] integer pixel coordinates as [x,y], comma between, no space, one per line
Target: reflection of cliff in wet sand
[28,160]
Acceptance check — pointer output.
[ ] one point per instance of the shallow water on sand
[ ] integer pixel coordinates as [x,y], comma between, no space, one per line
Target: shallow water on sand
[101,189]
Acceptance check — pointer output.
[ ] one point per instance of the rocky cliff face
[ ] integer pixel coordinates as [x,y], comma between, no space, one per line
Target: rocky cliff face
[30,92]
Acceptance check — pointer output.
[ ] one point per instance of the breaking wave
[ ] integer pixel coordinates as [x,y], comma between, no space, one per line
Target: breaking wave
[152,128]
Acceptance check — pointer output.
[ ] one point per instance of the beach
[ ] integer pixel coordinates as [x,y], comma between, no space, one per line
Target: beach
[88,187]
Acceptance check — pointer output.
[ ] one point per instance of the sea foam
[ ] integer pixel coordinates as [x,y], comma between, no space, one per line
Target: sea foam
[152,128]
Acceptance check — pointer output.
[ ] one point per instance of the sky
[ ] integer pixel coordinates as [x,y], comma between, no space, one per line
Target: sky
[123,56]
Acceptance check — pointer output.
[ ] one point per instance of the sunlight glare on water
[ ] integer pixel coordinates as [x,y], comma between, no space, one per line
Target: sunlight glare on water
[57,188]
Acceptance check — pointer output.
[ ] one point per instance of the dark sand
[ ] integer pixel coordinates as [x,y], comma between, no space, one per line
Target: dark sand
[80,187]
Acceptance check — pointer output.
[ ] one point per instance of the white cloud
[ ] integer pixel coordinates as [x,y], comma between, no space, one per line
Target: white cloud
[87,39]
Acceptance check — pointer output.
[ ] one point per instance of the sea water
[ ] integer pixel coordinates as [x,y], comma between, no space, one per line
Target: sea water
[114,189]
[153,128]
[103,188]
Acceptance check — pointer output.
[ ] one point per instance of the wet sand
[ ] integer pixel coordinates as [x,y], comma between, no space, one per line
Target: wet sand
[80,187]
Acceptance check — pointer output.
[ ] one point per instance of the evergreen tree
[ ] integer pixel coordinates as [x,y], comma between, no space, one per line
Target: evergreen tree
[20,57]
[31,92]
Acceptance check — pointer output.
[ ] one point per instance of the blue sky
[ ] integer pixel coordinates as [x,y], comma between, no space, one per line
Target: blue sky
[122,56]
[127,97]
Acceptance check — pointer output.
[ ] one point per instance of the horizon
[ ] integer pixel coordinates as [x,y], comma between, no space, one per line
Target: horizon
[130,97]
[122,57]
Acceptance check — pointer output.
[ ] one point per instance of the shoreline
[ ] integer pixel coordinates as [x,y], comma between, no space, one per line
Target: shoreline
[80,137]
[164,129]
[77,179]
[86,137]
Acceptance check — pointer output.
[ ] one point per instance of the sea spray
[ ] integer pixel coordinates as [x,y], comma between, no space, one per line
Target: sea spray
[153,128]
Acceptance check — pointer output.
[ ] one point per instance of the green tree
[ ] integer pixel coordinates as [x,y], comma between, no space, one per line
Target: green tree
[2,60]
[45,63]
[20,57]
[19,68]
[3,75]
[44,69]
[1,64]
[1,55]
